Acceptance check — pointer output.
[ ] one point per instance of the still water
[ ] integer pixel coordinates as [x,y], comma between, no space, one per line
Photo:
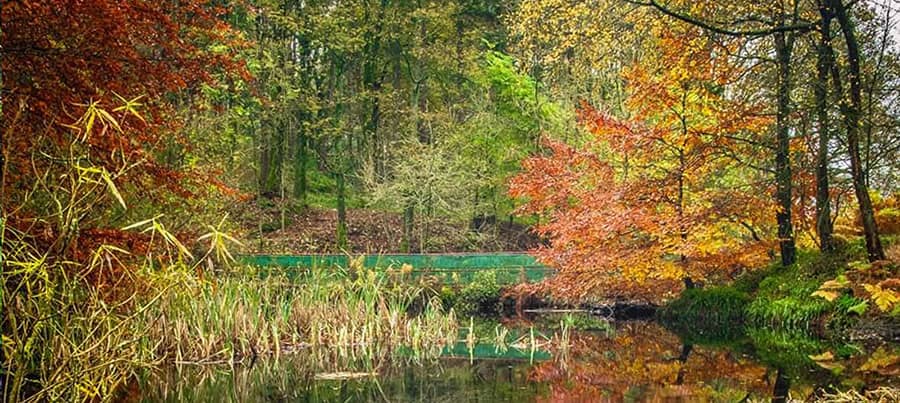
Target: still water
[555,358]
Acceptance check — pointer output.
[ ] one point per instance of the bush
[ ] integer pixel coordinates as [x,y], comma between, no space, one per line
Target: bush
[482,295]
[718,306]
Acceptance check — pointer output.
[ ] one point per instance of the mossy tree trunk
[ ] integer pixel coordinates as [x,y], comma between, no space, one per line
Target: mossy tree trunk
[824,62]
[851,112]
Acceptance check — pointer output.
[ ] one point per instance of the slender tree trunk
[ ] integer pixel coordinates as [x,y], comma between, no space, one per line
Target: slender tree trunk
[341,212]
[783,49]
[282,185]
[682,167]
[852,117]
[781,388]
[300,167]
[408,217]
[265,161]
[301,159]
[824,62]
[372,80]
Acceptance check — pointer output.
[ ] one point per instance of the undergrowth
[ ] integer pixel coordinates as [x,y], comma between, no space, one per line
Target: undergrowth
[773,297]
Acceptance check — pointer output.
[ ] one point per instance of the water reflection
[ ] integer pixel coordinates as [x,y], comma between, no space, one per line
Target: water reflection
[627,361]
[645,362]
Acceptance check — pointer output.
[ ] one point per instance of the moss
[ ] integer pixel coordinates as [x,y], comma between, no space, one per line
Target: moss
[774,296]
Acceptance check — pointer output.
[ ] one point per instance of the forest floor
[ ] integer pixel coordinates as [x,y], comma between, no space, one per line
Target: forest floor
[313,230]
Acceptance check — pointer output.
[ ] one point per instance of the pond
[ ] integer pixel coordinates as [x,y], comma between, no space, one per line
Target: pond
[553,357]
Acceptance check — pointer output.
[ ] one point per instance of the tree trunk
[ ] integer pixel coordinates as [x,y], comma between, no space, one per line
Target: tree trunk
[408,216]
[782,387]
[783,49]
[851,114]
[264,160]
[824,61]
[300,166]
[341,212]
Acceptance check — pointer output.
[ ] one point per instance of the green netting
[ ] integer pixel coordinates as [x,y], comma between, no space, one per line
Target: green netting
[509,267]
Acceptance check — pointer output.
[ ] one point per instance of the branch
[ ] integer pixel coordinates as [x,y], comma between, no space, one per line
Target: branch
[797,27]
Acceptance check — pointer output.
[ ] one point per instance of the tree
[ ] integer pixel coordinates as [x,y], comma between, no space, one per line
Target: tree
[655,197]
[824,66]
[851,111]
[63,59]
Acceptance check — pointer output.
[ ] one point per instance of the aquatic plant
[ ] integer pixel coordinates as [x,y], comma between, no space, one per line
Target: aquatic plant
[240,316]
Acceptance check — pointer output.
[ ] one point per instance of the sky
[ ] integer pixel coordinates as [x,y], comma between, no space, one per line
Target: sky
[894,6]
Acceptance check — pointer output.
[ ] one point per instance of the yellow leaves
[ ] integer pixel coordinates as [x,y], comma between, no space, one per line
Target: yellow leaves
[883,362]
[826,360]
[826,356]
[828,295]
[831,289]
[130,106]
[93,114]
[885,299]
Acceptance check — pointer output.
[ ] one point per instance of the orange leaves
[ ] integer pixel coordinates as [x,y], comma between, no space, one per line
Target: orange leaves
[608,368]
[650,200]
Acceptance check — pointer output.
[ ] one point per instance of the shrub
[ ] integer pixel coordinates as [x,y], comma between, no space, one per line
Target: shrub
[714,306]
[482,295]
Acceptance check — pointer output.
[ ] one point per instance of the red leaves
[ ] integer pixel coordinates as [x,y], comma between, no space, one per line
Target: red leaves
[57,54]
[650,200]
[60,58]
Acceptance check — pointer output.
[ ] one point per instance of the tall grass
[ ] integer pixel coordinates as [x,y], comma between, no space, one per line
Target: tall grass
[241,316]
[77,324]
[62,339]
[65,339]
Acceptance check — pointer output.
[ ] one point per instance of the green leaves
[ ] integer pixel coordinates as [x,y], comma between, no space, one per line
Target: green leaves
[859,308]
[156,228]
[218,242]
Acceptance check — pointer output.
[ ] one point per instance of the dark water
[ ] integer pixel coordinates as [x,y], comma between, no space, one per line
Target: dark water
[557,359]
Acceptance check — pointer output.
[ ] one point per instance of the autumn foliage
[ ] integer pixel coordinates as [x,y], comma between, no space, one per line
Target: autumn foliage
[60,56]
[97,85]
[661,196]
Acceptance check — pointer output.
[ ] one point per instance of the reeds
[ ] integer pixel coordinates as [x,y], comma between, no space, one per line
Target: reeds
[239,317]
[62,340]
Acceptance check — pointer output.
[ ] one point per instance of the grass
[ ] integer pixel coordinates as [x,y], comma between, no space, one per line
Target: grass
[63,339]
[707,316]
[242,316]
[783,297]
[773,297]
[66,339]
[720,305]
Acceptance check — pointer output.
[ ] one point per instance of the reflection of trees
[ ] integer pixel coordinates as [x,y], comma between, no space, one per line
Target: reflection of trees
[643,361]
[293,379]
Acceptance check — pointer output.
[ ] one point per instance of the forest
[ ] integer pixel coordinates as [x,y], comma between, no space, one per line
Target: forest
[548,200]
